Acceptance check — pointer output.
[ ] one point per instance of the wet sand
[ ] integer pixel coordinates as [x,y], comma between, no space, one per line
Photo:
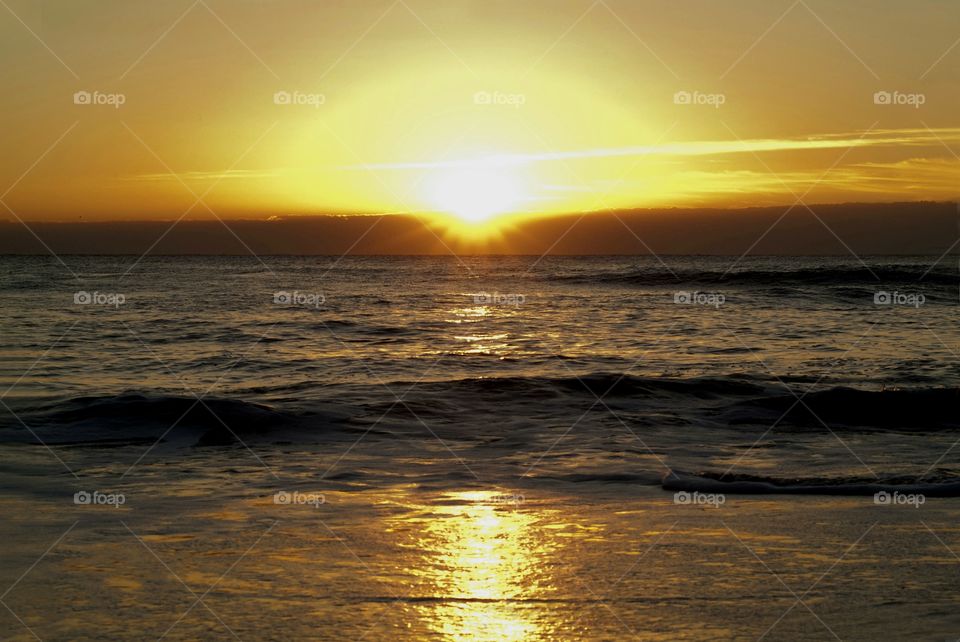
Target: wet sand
[201,549]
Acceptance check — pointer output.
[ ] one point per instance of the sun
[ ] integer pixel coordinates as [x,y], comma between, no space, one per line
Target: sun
[476,194]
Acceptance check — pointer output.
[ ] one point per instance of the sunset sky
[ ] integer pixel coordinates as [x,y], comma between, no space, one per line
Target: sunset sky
[472,108]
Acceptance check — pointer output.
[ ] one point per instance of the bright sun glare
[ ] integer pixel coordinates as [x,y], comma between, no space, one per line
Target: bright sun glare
[476,194]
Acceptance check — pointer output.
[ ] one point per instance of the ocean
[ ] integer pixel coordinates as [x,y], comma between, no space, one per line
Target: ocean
[502,448]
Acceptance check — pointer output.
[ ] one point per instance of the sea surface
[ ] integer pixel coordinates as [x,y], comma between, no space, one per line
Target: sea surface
[482,448]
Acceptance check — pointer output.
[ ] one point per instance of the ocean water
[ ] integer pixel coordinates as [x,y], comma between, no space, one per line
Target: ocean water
[498,448]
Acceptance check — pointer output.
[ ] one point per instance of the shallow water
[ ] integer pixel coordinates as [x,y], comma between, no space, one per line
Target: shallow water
[475,449]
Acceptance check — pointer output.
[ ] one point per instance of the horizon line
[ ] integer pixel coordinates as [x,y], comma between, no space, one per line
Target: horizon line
[277,218]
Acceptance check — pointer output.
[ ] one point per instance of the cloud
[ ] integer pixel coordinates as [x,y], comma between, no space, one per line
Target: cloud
[875,138]
[213,175]
[870,181]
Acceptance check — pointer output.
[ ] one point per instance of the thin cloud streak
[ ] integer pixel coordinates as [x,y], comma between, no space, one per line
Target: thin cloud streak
[882,138]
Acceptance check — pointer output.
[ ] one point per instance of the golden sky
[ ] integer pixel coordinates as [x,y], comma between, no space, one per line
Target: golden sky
[259,108]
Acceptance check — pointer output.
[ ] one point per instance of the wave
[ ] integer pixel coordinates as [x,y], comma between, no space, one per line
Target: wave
[734,400]
[308,409]
[916,276]
[610,384]
[738,484]
[132,418]
[897,409]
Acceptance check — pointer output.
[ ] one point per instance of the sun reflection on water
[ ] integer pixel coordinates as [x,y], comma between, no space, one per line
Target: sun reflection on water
[487,559]
[494,343]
